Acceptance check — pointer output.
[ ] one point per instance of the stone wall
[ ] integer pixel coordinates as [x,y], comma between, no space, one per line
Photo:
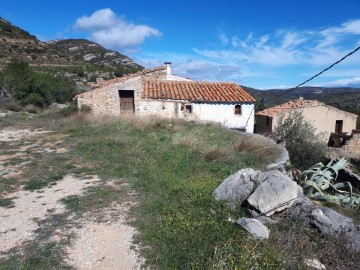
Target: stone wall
[105,100]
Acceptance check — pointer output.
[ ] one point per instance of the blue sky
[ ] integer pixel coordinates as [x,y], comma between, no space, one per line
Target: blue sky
[261,44]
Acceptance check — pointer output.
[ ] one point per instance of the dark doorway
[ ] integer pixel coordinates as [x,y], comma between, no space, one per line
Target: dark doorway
[339,126]
[126,101]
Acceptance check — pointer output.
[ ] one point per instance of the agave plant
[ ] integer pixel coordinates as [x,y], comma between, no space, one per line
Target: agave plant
[320,184]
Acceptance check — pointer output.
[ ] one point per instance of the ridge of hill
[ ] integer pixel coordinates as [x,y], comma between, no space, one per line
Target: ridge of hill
[18,43]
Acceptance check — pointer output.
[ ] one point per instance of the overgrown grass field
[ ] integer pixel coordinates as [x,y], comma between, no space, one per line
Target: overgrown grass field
[174,167]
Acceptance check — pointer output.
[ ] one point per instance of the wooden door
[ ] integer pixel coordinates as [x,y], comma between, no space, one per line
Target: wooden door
[126,101]
[338,126]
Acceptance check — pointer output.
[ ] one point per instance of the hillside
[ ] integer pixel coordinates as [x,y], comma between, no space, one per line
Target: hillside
[83,50]
[18,43]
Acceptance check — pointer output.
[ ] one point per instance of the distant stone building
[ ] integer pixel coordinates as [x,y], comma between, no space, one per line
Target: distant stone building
[324,118]
[158,92]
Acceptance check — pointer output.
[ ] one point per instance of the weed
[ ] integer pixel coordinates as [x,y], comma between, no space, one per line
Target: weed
[8,185]
[12,105]
[6,202]
[34,184]
[31,109]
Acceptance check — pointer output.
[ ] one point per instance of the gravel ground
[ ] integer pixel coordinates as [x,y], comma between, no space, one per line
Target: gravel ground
[18,223]
[105,245]
[95,244]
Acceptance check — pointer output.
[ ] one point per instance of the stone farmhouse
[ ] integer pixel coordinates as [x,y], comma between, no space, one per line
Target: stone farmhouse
[325,119]
[158,92]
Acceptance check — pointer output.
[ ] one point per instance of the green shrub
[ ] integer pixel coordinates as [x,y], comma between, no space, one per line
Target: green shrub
[37,88]
[298,137]
[69,110]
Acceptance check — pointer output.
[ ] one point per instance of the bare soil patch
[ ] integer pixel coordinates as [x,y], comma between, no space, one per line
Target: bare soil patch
[105,245]
[20,221]
[96,240]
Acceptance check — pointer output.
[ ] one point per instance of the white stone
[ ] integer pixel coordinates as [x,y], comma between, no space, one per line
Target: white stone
[314,264]
[275,194]
[237,187]
[254,227]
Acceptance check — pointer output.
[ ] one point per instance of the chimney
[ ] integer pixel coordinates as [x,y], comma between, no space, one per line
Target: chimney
[168,67]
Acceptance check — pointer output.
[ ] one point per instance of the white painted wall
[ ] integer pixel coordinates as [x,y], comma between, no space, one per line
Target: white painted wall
[225,114]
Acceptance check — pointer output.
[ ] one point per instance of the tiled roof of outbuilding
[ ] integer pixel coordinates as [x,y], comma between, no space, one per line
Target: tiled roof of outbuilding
[195,91]
[293,104]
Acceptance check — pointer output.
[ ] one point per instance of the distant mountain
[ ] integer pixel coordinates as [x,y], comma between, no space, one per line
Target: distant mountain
[18,43]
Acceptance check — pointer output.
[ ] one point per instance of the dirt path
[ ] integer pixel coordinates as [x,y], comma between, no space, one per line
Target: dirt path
[96,241]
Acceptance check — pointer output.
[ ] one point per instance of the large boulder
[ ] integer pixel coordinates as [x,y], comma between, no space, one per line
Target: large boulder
[254,227]
[328,221]
[275,194]
[237,187]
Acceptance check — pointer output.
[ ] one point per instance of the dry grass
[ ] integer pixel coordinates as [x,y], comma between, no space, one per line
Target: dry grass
[294,241]
[190,141]
[219,154]
[260,148]
[11,105]
[145,122]
[31,108]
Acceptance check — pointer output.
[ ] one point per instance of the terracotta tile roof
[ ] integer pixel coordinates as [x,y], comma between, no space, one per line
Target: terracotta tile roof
[195,91]
[293,104]
[144,72]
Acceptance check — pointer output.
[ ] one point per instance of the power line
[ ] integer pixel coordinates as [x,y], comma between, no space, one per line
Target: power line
[321,72]
[313,77]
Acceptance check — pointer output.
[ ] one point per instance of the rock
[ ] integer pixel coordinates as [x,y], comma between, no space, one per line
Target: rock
[254,227]
[314,264]
[275,194]
[263,219]
[237,187]
[2,115]
[331,222]
[353,239]
[58,106]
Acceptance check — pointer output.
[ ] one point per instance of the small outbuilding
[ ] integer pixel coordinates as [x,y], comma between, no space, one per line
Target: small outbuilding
[324,118]
[158,92]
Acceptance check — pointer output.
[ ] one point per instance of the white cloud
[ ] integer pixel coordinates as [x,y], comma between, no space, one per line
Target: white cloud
[113,31]
[224,39]
[350,82]
[318,47]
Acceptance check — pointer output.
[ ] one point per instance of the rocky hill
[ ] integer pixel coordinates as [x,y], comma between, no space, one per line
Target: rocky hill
[83,50]
[18,43]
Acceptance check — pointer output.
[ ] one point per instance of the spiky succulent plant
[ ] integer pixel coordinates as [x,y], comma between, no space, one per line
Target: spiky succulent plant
[320,183]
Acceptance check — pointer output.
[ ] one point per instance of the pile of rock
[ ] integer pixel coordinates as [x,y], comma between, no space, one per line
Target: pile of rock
[274,191]
[353,145]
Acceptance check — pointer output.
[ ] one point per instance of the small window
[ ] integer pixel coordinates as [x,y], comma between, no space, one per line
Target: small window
[238,109]
[267,121]
[188,108]
[182,107]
